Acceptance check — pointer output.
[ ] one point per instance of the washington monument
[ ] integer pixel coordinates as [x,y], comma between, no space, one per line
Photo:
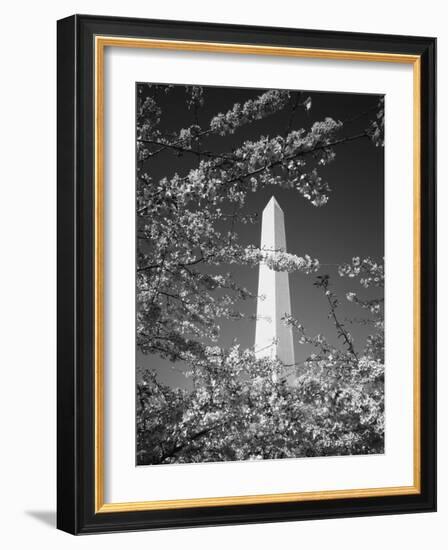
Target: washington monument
[272,337]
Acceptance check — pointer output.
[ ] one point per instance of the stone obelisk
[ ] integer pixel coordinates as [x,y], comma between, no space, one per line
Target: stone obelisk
[272,337]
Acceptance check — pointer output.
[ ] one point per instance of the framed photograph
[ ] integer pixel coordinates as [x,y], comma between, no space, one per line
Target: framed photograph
[246,274]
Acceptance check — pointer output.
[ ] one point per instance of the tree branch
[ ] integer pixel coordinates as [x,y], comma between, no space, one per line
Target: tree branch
[180,149]
[166,145]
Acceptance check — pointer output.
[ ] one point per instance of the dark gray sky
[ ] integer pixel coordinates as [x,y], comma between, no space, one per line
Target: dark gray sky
[350,224]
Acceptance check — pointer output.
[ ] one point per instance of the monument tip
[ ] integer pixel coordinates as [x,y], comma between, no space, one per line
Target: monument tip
[273,202]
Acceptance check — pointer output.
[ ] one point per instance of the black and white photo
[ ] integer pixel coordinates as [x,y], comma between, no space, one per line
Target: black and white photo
[259,274]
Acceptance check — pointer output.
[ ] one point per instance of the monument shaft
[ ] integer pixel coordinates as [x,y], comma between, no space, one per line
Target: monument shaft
[272,337]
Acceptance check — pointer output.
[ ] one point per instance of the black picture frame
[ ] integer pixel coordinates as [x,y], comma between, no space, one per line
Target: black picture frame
[76,511]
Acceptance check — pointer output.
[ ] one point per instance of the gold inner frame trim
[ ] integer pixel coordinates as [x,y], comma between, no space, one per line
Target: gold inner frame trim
[101,42]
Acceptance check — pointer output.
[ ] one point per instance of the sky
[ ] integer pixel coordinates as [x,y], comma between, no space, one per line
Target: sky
[350,224]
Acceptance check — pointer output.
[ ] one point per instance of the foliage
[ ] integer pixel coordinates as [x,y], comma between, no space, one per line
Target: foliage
[240,406]
[243,407]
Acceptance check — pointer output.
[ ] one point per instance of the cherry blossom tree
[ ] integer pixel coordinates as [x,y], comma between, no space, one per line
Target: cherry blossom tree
[187,226]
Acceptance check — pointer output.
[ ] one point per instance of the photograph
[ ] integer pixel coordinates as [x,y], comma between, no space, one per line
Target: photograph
[259,274]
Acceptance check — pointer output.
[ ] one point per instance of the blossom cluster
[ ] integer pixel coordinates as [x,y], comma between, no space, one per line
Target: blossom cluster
[195,96]
[370,272]
[254,109]
[376,128]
